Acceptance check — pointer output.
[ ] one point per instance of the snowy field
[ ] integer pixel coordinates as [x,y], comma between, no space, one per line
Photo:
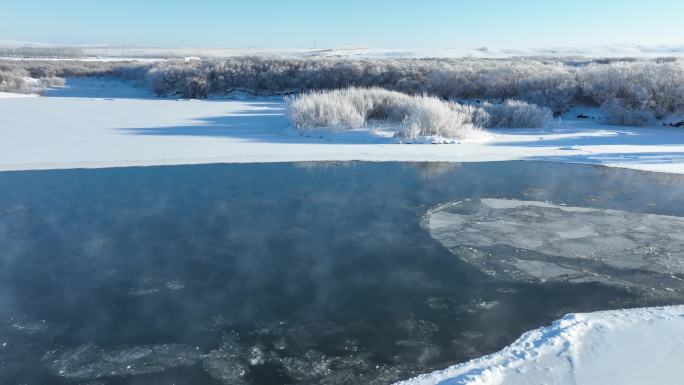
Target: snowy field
[93,124]
[595,51]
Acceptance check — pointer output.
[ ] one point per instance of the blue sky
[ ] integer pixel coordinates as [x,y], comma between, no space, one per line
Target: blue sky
[334,23]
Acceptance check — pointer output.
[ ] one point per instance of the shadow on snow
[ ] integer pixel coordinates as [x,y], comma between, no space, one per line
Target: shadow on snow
[263,122]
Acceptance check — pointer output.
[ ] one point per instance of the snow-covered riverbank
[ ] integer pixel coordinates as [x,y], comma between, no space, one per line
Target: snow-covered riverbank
[109,124]
[627,347]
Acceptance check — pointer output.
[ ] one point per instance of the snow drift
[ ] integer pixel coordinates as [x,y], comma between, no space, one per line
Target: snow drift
[626,347]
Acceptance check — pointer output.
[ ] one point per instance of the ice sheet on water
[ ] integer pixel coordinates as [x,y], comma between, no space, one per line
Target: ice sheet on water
[532,240]
[227,363]
[150,285]
[291,347]
[19,325]
[89,362]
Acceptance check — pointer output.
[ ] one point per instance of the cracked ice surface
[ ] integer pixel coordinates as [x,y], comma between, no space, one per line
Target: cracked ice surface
[538,241]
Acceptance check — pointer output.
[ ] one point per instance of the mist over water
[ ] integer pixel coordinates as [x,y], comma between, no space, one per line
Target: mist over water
[280,273]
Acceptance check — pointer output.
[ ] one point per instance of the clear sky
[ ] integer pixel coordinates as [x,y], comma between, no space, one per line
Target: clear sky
[334,23]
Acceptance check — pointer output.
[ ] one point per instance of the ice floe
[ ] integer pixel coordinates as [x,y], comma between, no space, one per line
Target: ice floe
[540,241]
[90,362]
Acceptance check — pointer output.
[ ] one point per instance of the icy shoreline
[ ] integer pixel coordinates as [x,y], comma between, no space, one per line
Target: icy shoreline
[96,124]
[640,346]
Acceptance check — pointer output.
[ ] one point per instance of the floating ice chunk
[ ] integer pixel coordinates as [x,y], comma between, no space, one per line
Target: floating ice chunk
[26,326]
[89,362]
[532,240]
[310,367]
[148,285]
[227,363]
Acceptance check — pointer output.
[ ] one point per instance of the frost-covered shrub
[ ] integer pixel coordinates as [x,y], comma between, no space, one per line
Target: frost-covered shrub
[15,82]
[13,79]
[553,87]
[352,108]
[514,114]
[409,116]
[552,83]
[51,82]
[615,112]
[33,76]
[640,86]
[429,116]
[532,80]
[338,110]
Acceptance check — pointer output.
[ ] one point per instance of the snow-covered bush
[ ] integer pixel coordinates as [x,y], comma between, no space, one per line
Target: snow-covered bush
[429,116]
[33,76]
[13,79]
[409,116]
[640,86]
[551,86]
[336,110]
[552,83]
[615,112]
[514,114]
[539,82]
[13,82]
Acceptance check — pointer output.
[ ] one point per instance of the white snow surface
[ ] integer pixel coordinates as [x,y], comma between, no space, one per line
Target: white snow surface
[106,123]
[593,51]
[4,95]
[626,347]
